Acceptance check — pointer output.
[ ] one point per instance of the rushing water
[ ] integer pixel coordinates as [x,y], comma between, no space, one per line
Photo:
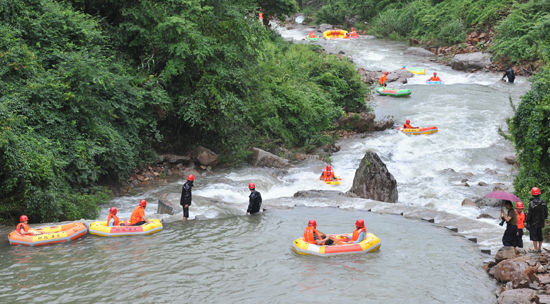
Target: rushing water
[231,258]
[241,259]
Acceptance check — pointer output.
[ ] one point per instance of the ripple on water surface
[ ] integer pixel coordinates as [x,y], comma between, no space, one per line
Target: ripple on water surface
[243,259]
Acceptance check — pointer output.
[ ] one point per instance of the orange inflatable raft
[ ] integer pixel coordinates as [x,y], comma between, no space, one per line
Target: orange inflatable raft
[49,235]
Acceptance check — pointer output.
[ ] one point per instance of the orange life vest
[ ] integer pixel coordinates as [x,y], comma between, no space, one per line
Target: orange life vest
[137,215]
[309,235]
[24,226]
[407,126]
[357,232]
[311,35]
[521,219]
[110,216]
[436,78]
[328,175]
[382,79]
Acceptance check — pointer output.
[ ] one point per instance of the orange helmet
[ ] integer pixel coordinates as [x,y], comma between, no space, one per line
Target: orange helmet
[251,186]
[191,177]
[360,223]
[312,223]
[143,203]
[23,218]
[113,210]
[519,205]
[535,191]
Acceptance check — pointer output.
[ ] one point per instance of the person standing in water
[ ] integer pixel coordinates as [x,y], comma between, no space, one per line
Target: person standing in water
[185,200]
[509,73]
[254,200]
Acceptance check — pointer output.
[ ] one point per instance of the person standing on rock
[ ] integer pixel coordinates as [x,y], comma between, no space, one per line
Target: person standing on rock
[521,224]
[536,215]
[185,200]
[510,234]
[383,79]
[254,200]
[510,74]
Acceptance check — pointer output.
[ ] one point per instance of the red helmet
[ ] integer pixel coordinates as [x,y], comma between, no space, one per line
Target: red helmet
[435,73]
[191,177]
[329,167]
[312,223]
[387,73]
[535,191]
[408,121]
[113,210]
[23,218]
[519,205]
[143,203]
[360,223]
[251,186]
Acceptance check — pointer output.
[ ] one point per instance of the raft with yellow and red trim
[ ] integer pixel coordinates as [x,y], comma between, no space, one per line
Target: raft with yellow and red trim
[419,131]
[370,244]
[335,34]
[100,228]
[49,235]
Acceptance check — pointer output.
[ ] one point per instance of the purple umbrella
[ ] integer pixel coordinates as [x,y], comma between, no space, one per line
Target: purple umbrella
[502,195]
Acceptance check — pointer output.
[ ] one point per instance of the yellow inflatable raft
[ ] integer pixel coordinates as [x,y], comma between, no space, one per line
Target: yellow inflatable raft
[334,34]
[49,235]
[371,243]
[100,228]
[336,181]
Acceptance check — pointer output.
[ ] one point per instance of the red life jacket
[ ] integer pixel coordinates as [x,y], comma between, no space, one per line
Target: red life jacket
[22,225]
[436,78]
[521,219]
[357,232]
[328,175]
[382,79]
[110,216]
[309,235]
[407,126]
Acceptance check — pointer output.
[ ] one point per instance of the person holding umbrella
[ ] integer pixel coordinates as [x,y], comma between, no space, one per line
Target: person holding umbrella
[510,216]
[536,215]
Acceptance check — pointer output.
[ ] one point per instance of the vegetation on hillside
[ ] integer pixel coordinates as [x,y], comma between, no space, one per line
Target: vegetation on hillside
[93,89]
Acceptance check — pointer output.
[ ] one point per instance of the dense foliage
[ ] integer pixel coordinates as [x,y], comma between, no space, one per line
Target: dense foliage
[531,132]
[90,90]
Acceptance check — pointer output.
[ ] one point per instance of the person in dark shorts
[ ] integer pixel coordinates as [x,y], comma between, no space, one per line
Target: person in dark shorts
[185,200]
[521,224]
[510,216]
[255,200]
[536,215]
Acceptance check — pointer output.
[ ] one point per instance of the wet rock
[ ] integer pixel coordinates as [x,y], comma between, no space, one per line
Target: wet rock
[466,185]
[319,193]
[373,180]
[205,156]
[483,184]
[463,180]
[468,203]
[471,61]
[448,170]
[166,206]
[399,76]
[510,159]
[468,174]
[418,51]
[363,122]
[490,171]
[505,253]
[261,158]
[518,296]
[484,215]
[371,76]
[488,202]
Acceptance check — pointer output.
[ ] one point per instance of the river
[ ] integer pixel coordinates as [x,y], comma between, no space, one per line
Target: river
[225,257]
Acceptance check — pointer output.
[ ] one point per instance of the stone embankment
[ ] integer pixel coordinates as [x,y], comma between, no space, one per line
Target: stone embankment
[524,276]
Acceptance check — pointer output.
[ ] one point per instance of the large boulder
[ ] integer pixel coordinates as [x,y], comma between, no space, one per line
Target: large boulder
[261,158]
[373,180]
[166,206]
[505,253]
[319,193]
[417,51]
[205,156]
[363,122]
[518,296]
[399,76]
[471,61]
[489,202]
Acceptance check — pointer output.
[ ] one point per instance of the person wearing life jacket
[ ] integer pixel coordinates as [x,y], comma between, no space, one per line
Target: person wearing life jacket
[254,200]
[23,226]
[311,35]
[328,174]
[347,35]
[407,125]
[112,219]
[353,33]
[359,234]
[314,236]
[185,200]
[434,78]
[535,219]
[521,224]
[138,215]
[383,79]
